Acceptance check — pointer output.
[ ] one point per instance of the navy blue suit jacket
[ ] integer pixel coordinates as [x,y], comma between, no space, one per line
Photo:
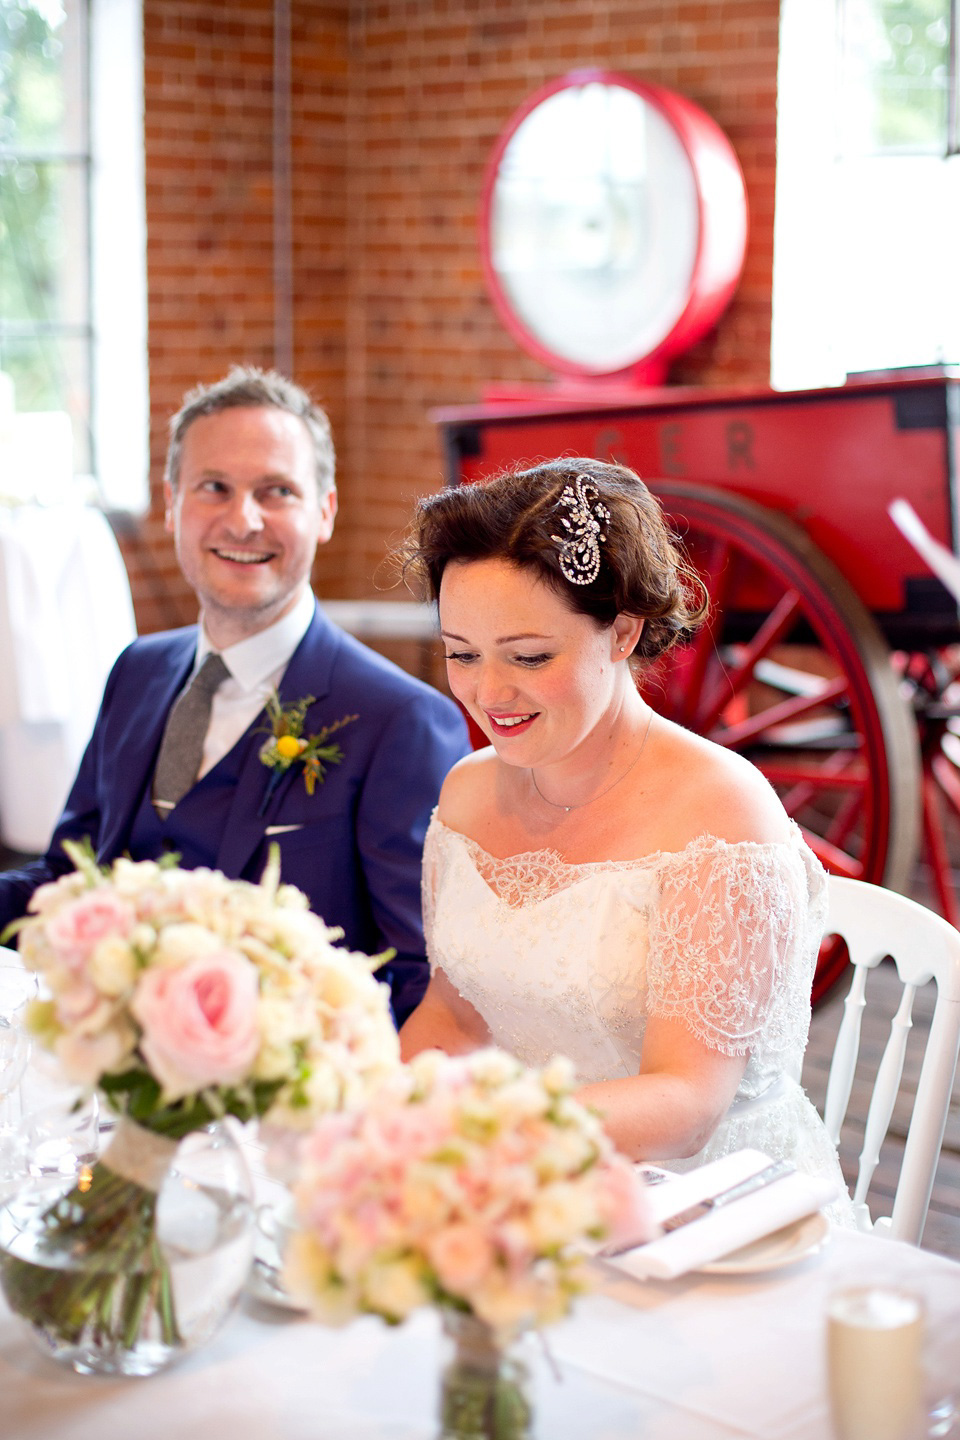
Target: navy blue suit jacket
[354,846]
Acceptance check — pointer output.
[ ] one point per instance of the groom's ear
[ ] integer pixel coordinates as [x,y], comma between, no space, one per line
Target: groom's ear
[168,501]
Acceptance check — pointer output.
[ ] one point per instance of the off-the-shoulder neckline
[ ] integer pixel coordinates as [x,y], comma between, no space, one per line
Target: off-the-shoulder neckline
[705,842]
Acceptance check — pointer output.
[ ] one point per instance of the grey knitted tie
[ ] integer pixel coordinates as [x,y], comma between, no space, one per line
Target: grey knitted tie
[181,749]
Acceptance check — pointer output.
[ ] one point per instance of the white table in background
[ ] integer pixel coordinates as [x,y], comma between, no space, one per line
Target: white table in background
[703,1358]
[65,615]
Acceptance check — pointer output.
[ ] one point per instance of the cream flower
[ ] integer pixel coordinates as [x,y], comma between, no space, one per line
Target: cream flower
[177,945]
[395,1288]
[112,967]
[560,1213]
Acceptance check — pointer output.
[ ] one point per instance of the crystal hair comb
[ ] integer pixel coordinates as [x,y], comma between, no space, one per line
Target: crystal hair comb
[579,556]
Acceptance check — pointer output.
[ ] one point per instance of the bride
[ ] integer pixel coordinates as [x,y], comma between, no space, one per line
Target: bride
[600,882]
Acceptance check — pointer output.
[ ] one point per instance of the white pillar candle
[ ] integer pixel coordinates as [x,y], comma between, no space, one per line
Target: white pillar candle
[874,1360]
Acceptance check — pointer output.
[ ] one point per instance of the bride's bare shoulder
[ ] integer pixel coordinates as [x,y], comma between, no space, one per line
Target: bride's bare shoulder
[468,785]
[717,792]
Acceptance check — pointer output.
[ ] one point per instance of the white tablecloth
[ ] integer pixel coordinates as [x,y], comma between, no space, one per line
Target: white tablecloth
[705,1358]
[65,615]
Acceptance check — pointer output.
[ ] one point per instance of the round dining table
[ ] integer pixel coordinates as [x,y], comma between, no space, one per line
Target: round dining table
[732,1356]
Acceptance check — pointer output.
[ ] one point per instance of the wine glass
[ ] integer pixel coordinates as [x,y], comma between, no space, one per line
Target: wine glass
[941,1363]
[18,987]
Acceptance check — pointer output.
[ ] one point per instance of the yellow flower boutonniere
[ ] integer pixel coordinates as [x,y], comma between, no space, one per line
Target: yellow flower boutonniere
[288,745]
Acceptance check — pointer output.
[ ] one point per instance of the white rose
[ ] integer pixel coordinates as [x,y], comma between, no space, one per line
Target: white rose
[558,1076]
[290,898]
[112,967]
[493,1067]
[143,937]
[561,1213]
[521,1099]
[425,1068]
[567,1152]
[280,1022]
[131,877]
[179,944]
[273,1062]
[343,982]
[297,931]
[323,1088]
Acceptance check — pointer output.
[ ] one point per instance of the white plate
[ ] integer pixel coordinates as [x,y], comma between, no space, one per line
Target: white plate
[783,1247]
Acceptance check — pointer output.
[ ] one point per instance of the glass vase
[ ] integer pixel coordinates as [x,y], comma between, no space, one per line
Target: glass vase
[134,1259]
[485,1390]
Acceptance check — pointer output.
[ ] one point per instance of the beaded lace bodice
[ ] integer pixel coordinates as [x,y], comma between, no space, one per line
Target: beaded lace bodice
[572,958]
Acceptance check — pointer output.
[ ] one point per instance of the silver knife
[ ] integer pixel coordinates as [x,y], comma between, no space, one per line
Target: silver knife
[763,1177]
[775,1171]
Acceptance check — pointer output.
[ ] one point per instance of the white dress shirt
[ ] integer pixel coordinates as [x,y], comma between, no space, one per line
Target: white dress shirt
[256,667]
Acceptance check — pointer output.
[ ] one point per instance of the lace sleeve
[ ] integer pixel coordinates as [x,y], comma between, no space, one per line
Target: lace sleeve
[429,879]
[734,937]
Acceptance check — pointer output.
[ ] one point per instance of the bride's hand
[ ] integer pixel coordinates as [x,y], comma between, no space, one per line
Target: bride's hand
[443,1021]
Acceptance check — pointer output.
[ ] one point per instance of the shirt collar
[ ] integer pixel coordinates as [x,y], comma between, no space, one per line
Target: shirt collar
[253,661]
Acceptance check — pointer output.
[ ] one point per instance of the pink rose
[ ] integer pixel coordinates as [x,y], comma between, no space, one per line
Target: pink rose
[77,1003]
[462,1256]
[77,928]
[623,1204]
[199,1022]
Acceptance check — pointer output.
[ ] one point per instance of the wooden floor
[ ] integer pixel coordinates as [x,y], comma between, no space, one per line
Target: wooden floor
[942,1232]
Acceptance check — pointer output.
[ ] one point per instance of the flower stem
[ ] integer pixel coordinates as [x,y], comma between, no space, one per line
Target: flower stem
[96,1269]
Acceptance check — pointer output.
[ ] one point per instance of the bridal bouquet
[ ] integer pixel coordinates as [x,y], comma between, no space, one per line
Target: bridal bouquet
[472,1182]
[183,997]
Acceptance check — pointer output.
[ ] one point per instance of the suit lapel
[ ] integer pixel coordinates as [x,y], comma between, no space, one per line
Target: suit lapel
[143,729]
[308,673]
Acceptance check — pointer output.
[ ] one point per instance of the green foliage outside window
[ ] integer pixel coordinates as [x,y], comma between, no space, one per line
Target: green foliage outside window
[44,166]
[896,75]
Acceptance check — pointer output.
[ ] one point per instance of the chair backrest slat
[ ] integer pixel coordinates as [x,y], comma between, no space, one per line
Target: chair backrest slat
[877,923]
[845,1055]
[886,1087]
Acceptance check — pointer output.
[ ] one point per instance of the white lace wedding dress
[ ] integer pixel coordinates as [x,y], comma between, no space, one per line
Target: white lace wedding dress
[571,959]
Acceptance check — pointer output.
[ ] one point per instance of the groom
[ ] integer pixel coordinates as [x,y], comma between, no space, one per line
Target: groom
[174,764]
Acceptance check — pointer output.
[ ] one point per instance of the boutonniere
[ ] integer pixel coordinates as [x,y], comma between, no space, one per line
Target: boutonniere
[289,746]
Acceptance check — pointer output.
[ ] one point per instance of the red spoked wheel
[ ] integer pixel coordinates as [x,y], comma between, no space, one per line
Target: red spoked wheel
[933,681]
[793,672]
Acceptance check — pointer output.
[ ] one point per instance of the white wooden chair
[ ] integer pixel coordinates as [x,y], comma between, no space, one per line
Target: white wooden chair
[875,923]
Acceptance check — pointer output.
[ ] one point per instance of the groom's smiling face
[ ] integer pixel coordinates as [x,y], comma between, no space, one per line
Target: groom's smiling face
[247,517]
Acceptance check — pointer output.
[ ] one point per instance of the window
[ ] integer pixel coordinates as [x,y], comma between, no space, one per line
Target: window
[868,189]
[72,248]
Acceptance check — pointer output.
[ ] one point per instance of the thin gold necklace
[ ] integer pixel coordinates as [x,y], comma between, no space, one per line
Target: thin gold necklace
[616,782]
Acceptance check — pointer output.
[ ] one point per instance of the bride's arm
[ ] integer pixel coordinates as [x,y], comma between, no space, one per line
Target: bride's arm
[443,1021]
[672,1107]
[732,937]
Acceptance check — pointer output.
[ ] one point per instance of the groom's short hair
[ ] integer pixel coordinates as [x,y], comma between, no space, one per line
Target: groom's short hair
[248,386]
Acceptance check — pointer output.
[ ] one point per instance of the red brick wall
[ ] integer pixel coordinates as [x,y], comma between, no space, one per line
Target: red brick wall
[396,106]
[208,73]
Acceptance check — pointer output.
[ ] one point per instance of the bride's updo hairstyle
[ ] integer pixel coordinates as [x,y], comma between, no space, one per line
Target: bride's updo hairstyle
[519,515]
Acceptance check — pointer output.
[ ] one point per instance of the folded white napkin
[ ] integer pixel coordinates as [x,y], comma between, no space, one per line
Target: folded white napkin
[720,1231]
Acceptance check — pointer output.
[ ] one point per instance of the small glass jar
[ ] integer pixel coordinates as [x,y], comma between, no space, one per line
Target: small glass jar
[485,1390]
